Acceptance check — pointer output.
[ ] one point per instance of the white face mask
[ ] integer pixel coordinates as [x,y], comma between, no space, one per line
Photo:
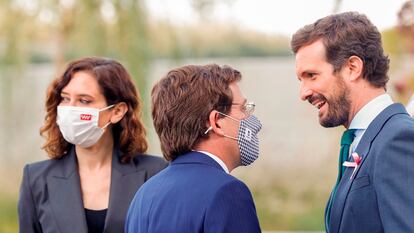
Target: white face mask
[79,125]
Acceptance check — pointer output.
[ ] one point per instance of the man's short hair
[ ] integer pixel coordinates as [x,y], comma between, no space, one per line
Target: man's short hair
[182,102]
[345,35]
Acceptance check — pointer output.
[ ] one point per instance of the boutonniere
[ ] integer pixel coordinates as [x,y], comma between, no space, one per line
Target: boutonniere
[355,164]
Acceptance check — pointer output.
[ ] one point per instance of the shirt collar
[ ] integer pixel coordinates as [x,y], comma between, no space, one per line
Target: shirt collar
[372,109]
[217,159]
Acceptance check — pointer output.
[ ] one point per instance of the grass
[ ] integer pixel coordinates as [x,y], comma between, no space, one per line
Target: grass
[277,209]
[285,199]
[279,212]
[8,214]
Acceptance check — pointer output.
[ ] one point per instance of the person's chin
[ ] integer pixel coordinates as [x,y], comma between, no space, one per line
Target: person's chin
[322,113]
[325,121]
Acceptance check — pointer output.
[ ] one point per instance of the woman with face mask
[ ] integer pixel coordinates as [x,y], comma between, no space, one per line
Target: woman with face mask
[95,140]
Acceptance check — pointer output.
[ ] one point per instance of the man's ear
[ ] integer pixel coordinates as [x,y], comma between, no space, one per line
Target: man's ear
[355,67]
[118,112]
[215,123]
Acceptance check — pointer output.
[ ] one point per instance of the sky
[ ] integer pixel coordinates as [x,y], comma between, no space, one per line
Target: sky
[273,16]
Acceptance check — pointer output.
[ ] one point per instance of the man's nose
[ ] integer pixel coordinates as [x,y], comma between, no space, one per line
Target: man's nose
[305,92]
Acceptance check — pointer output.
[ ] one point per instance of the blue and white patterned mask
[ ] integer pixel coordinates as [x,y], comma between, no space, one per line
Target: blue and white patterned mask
[247,138]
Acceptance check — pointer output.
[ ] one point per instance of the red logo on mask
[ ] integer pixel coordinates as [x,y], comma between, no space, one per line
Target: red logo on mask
[85,117]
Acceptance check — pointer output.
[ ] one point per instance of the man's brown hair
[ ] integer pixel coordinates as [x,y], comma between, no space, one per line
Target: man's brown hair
[345,35]
[117,86]
[182,102]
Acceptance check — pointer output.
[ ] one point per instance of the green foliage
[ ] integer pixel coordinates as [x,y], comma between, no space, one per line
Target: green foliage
[393,42]
[280,208]
[212,40]
[8,214]
[53,31]
[58,32]
[275,206]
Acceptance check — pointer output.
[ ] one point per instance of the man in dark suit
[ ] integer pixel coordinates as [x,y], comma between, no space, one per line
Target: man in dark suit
[342,71]
[206,130]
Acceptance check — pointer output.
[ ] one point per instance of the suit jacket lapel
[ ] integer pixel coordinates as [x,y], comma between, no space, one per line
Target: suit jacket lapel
[362,149]
[125,179]
[65,195]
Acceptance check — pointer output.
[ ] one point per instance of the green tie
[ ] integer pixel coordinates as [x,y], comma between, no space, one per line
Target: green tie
[346,141]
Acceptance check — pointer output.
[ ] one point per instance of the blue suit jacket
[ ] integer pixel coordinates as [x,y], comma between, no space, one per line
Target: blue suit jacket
[192,195]
[380,196]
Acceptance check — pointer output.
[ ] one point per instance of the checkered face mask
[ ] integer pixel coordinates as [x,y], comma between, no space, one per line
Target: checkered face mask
[247,138]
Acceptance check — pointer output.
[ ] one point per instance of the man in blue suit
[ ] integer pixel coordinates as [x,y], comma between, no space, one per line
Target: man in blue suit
[342,71]
[206,129]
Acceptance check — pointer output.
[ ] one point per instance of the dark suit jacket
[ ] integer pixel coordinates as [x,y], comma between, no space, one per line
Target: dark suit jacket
[380,197]
[50,196]
[192,195]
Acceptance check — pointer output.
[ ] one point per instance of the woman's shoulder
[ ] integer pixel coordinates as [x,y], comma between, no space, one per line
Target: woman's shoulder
[41,166]
[45,167]
[151,163]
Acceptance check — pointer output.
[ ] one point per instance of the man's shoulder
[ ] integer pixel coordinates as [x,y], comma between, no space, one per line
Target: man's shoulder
[231,185]
[390,122]
[191,175]
[219,181]
[195,184]
[398,124]
[398,128]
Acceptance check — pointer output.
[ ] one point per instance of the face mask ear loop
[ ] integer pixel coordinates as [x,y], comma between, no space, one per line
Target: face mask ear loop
[108,107]
[234,119]
[208,130]
[103,109]
[229,117]
[106,125]
[227,136]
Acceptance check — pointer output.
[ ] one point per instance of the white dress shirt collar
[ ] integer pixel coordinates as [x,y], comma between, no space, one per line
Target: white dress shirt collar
[217,159]
[372,109]
[366,115]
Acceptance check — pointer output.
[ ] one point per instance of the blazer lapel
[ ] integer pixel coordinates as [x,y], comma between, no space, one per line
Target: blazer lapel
[65,195]
[362,149]
[125,179]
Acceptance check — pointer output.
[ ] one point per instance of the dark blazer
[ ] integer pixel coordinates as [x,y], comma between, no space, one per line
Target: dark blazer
[50,198]
[380,196]
[193,195]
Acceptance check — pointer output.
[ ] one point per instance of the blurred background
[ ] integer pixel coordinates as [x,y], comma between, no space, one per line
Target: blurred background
[293,177]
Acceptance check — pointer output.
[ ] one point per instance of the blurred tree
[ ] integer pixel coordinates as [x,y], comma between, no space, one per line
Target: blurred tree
[406,24]
[405,29]
[205,7]
[15,31]
[72,28]
[337,5]
[58,31]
